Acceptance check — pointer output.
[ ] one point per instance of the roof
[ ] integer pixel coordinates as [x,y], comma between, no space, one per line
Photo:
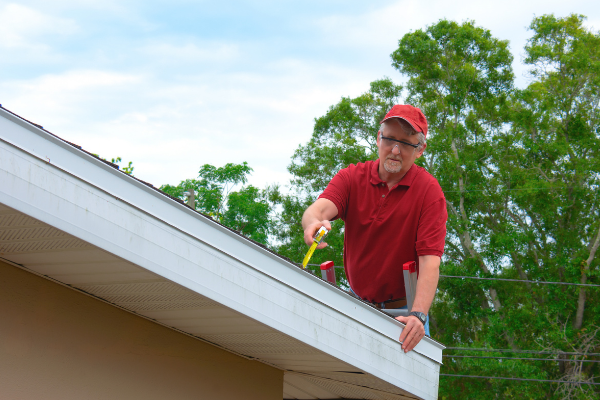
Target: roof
[73,218]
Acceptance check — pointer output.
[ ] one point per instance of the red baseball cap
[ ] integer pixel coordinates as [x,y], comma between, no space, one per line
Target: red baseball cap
[410,114]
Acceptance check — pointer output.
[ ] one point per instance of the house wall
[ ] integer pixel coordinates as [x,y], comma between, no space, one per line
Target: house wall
[56,343]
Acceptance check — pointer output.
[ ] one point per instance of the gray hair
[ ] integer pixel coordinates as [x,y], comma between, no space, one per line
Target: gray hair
[408,129]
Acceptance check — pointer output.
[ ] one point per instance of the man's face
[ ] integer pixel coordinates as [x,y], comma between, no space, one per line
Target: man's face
[395,157]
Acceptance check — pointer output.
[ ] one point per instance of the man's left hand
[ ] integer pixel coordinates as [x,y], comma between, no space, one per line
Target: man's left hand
[412,333]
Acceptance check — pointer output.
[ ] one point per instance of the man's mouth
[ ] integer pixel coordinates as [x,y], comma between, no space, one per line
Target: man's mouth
[392,165]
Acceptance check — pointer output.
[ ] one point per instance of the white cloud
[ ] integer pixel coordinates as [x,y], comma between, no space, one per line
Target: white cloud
[169,128]
[508,20]
[24,27]
[161,52]
[55,97]
[116,9]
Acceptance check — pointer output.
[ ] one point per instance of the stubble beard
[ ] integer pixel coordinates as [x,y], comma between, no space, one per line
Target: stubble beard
[392,167]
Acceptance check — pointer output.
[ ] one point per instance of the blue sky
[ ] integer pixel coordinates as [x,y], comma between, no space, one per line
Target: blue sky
[173,85]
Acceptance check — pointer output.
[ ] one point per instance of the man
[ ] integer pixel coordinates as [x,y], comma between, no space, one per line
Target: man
[394,212]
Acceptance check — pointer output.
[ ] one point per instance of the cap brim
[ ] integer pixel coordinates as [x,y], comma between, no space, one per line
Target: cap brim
[411,123]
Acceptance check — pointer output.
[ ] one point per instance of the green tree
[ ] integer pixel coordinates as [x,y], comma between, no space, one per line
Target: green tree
[554,170]
[247,210]
[212,186]
[117,161]
[558,121]
[520,174]
[127,169]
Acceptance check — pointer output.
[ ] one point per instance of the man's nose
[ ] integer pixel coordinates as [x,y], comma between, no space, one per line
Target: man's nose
[396,149]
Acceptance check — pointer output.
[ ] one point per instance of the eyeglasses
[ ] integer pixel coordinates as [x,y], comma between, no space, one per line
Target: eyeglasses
[402,145]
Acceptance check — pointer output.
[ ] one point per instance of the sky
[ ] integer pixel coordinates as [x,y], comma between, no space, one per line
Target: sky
[172,85]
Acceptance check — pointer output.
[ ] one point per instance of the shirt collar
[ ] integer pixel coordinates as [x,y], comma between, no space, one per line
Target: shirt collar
[407,179]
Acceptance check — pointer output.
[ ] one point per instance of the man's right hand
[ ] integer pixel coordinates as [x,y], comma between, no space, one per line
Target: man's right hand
[316,216]
[311,230]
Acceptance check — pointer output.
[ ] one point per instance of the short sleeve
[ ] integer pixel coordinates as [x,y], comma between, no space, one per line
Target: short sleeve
[338,191]
[431,232]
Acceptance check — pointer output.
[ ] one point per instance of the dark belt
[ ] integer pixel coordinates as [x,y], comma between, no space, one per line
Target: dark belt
[391,304]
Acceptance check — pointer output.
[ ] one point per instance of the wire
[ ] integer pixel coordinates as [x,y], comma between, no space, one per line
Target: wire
[523,351]
[501,279]
[519,280]
[521,358]
[510,190]
[521,379]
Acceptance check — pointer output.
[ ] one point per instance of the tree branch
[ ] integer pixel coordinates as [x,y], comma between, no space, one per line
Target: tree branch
[578,322]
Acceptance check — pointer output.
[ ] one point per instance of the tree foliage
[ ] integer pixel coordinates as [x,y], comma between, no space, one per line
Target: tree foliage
[128,169]
[519,169]
[247,210]
[248,213]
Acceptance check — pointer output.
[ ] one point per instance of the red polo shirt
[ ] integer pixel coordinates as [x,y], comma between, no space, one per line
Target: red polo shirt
[386,228]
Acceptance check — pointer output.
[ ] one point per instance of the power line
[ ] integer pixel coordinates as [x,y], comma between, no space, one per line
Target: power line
[519,280]
[521,379]
[499,279]
[510,190]
[522,358]
[522,351]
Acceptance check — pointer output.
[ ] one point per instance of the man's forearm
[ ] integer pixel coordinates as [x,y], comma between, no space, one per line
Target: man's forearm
[429,275]
[310,216]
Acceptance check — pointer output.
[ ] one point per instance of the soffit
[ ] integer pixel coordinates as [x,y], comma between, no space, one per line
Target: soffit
[49,252]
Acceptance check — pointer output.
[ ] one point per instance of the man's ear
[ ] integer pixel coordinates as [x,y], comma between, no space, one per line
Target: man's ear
[378,137]
[421,150]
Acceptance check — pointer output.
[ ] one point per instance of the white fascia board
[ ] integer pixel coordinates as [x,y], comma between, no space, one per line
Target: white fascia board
[44,177]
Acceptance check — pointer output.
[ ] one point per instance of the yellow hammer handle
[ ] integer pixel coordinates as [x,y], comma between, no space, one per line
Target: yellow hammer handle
[318,237]
[309,254]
